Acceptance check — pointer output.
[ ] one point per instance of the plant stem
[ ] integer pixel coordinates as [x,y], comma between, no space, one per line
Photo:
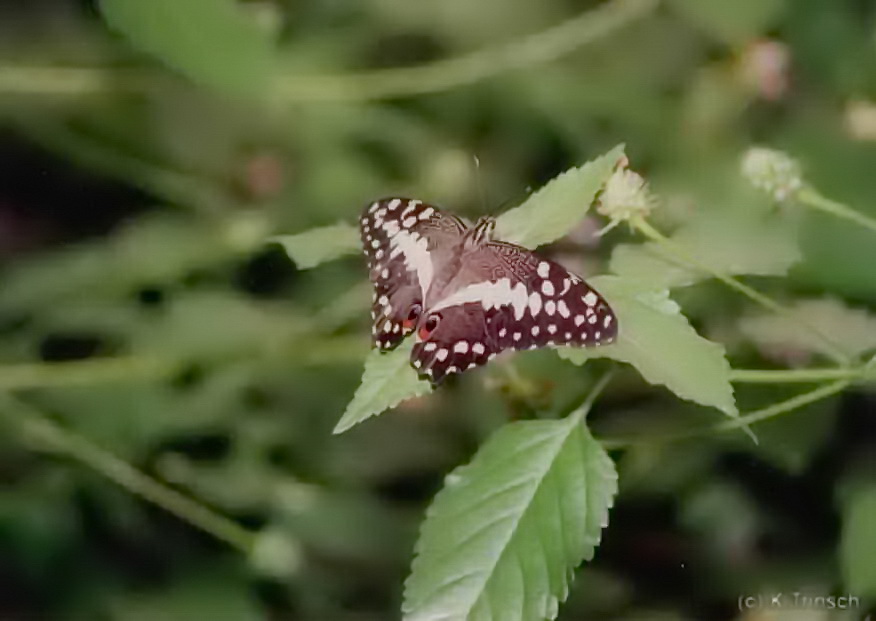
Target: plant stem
[786,376]
[37,426]
[528,51]
[756,416]
[812,198]
[656,236]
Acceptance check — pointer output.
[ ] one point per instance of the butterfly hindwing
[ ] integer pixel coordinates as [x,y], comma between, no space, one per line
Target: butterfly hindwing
[400,237]
[506,297]
[461,341]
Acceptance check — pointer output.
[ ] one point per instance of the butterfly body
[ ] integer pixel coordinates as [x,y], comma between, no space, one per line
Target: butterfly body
[467,296]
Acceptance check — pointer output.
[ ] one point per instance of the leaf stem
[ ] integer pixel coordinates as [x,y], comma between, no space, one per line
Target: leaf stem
[756,416]
[811,197]
[593,394]
[36,425]
[654,235]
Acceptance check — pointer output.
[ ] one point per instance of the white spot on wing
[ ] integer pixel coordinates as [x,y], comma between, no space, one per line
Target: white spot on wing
[478,348]
[590,299]
[393,204]
[429,346]
[550,307]
[461,347]
[391,227]
[547,287]
[490,295]
[442,354]
[544,269]
[416,255]
[564,310]
[534,303]
[567,284]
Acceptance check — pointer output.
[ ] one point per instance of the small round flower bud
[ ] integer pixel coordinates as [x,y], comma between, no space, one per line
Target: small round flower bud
[772,171]
[626,196]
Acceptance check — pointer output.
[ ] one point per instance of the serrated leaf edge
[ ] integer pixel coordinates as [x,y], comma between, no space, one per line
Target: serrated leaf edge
[607,475]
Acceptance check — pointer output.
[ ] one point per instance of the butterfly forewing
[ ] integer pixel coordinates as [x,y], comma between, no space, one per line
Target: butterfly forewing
[403,240]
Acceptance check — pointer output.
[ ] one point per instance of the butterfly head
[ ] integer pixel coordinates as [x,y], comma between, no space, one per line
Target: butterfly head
[481,233]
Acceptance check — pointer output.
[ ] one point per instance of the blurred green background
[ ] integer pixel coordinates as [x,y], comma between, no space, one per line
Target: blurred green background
[141,169]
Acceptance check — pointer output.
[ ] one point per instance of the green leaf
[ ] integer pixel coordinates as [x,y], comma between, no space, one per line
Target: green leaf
[858,545]
[212,42]
[501,539]
[853,330]
[319,245]
[555,208]
[730,245]
[659,342]
[388,380]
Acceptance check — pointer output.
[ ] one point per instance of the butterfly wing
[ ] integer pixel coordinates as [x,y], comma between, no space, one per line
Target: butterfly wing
[507,297]
[406,243]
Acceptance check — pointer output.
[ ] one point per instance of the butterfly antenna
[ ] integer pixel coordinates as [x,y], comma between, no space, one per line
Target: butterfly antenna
[482,193]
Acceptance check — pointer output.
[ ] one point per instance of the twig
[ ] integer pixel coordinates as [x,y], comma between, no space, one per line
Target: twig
[812,198]
[34,423]
[756,416]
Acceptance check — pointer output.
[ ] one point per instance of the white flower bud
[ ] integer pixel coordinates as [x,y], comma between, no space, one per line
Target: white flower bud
[774,172]
[626,196]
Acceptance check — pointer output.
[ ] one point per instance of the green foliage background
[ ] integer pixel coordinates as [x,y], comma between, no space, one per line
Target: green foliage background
[151,340]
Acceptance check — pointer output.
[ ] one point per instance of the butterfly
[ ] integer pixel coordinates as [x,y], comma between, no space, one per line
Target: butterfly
[466,295]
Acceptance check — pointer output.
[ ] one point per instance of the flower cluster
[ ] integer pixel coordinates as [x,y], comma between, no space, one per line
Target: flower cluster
[626,197]
[774,172]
